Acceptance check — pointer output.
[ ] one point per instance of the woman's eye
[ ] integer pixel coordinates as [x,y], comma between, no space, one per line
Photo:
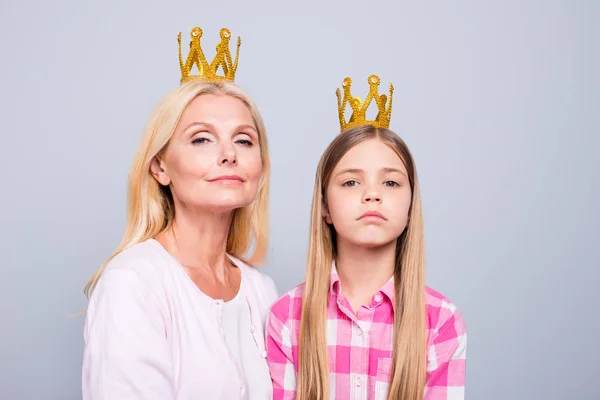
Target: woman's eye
[350,183]
[245,142]
[391,183]
[200,140]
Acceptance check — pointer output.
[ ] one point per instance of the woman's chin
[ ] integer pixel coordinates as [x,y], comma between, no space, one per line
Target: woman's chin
[225,205]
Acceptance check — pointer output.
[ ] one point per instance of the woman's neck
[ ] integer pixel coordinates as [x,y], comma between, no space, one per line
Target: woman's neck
[198,240]
[363,271]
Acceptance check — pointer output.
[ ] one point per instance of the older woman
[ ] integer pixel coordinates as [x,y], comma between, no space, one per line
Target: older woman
[176,313]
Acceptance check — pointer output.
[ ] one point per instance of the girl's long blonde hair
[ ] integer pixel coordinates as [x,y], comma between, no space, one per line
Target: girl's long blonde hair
[407,377]
[150,208]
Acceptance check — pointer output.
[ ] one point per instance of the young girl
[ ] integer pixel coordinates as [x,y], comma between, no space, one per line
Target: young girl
[364,325]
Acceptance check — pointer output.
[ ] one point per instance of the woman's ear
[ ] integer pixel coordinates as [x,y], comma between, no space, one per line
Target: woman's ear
[325,213]
[159,171]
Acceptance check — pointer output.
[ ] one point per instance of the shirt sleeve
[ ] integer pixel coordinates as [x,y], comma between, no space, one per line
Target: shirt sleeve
[279,358]
[447,360]
[126,352]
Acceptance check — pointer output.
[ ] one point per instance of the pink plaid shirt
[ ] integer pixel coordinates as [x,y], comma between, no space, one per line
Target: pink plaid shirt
[360,347]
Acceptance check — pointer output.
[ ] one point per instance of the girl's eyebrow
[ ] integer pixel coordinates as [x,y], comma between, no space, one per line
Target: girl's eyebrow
[360,171]
[350,171]
[393,170]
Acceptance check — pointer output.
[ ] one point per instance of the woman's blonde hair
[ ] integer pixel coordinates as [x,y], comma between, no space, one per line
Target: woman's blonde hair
[150,208]
[407,377]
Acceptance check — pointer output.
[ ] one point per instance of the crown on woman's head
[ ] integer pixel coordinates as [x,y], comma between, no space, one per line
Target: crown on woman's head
[196,57]
[359,109]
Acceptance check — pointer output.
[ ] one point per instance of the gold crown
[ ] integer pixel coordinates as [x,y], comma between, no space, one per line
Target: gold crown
[196,56]
[359,109]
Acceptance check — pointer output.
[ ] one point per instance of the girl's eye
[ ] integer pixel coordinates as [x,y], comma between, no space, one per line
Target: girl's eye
[200,140]
[245,142]
[391,183]
[350,183]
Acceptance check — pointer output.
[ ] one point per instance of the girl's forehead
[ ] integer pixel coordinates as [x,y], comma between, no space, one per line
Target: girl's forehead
[371,153]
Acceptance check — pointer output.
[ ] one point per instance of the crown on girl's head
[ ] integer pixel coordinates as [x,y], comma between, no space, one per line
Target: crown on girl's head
[359,109]
[196,57]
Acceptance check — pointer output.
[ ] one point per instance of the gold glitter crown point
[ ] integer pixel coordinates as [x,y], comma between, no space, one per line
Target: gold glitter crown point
[196,57]
[359,109]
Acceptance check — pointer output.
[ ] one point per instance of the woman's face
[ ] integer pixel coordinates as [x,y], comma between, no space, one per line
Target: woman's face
[213,160]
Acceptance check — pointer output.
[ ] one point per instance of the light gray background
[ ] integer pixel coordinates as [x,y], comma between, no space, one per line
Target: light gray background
[498,100]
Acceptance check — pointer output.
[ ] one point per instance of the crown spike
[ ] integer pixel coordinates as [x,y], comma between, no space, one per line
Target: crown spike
[237,55]
[359,108]
[196,57]
[341,110]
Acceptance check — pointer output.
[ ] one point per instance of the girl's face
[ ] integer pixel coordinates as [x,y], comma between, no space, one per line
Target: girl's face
[368,196]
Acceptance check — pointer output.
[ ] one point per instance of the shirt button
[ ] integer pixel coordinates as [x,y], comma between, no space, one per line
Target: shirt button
[359,332]
[252,329]
[378,298]
[358,381]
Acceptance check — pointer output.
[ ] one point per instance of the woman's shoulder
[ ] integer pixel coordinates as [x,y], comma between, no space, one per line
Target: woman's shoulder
[131,278]
[139,266]
[442,313]
[259,279]
[142,258]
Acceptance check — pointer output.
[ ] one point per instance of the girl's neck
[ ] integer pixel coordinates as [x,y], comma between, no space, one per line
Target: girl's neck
[363,271]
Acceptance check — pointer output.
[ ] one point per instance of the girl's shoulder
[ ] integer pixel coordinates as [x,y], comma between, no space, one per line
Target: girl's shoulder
[442,314]
[289,306]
